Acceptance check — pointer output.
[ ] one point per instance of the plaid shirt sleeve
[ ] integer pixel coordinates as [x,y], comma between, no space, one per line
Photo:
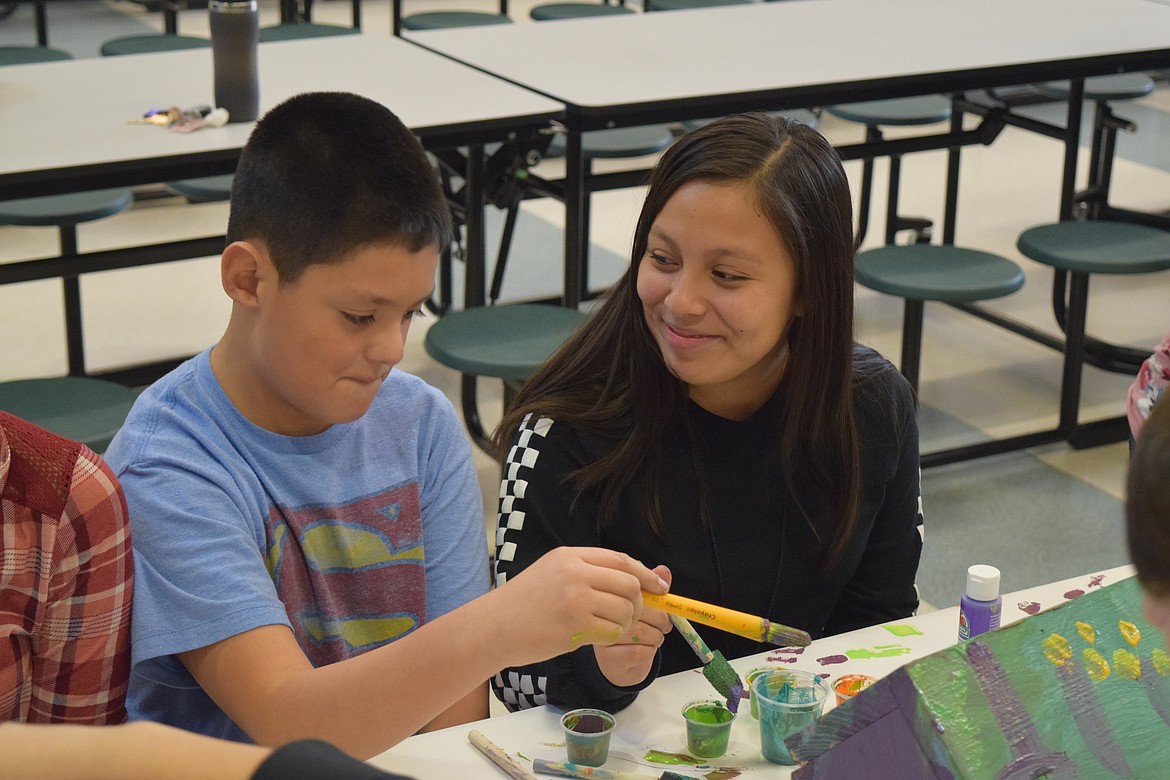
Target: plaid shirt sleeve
[73,569]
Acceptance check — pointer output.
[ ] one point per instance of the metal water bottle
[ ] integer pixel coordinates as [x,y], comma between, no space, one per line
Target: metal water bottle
[235,33]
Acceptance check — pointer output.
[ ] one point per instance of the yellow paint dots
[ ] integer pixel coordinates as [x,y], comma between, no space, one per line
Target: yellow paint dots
[1095,664]
[1130,632]
[1057,649]
[1127,664]
[1087,632]
[1161,662]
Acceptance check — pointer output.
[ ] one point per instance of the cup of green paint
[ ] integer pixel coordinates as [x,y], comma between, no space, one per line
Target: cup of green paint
[708,727]
[788,701]
[587,736]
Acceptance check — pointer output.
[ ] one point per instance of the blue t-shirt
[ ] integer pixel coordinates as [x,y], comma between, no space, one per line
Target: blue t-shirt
[353,537]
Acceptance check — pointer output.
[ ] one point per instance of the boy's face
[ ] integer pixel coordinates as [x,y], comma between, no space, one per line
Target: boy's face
[323,344]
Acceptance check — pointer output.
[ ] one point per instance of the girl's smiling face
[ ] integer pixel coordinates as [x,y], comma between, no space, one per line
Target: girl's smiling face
[718,289]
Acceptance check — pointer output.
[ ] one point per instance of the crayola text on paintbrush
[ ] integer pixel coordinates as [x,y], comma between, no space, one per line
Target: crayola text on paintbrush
[730,620]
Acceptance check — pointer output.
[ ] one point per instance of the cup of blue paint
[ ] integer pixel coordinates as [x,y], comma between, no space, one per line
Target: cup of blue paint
[587,736]
[788,700]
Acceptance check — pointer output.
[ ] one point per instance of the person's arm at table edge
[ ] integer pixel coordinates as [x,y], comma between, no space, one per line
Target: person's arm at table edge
[370,702]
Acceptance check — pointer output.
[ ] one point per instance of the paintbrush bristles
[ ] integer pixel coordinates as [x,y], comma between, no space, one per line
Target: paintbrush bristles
[785,636]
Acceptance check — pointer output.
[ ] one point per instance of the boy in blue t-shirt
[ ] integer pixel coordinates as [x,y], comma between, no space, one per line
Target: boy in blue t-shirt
[310,558]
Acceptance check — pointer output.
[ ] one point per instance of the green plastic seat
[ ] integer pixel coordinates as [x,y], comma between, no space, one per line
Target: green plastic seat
[80,408]
[799,114]
[1097,247]
[924,272]
[685,5]
[24,55]
[1118,86]
[898,112]
[504,342]
[65,212]
[204,189]
[442,20]
[551,12]
[617,143]
[151,44]
[293,31]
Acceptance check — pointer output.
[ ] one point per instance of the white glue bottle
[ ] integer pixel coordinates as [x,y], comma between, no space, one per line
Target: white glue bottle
[980,607]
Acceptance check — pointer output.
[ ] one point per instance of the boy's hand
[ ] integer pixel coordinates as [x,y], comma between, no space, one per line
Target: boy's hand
[573,596]
[628,661]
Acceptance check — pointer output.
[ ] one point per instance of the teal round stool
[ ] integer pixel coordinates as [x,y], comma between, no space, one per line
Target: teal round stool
[925,272]
[151,44]
[1076,250]
[799,114]
[551,12]
[897,112]
[80,408]
[294,31]
[204,189]
[24,55]
[442,20]
[684,5]
[66,212]
[504,342]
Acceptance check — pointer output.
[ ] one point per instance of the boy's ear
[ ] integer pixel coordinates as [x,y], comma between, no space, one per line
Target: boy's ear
[243,266]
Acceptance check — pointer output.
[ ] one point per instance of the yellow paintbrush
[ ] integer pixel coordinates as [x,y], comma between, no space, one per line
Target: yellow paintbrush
[729,620]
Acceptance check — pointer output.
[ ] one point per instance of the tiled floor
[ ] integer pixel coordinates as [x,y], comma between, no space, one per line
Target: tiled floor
[989,379]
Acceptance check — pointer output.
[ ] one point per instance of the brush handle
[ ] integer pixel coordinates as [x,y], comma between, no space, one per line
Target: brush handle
[576,770]
[499,757]
[687,632]
[729,620]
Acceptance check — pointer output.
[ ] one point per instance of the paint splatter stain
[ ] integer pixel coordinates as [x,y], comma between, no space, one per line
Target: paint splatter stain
[878,651]
[1127,664]
[673,759]
[1073,594]
[824,675]
[779,659]
[1096,581]
[829,660]
[723,773]
[1031,607]
[903,630]
[1056,649]
[1095,664]
[790,650]
[553,744]
[1161,662]
[1130,632]
[1087,632]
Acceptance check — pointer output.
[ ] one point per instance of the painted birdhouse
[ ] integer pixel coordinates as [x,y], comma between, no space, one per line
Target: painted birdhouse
[1079,691]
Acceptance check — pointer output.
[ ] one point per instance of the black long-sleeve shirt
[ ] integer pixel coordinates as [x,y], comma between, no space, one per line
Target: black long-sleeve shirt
[758,554]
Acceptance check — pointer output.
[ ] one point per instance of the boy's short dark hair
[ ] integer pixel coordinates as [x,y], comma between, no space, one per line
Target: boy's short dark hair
[1147,506]
[325,173]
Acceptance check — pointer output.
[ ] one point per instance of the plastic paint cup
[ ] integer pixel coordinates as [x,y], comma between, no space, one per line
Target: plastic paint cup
[708,727]
[752,674]
[849,685]
[788,700]
[587,736]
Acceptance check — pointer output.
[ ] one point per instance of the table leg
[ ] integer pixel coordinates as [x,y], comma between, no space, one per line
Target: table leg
[575,229]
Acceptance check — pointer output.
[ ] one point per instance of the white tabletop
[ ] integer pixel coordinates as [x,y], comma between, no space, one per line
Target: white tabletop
[677,55]
[60,115]
[654,721]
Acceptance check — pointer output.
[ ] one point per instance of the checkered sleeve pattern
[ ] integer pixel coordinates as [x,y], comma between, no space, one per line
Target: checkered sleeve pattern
[66,573]
[518,689]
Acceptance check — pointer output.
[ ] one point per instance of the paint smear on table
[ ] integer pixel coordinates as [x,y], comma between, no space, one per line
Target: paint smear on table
[878,651]
[829,660]
[1096,581]
[724,773]
[779,659]
[674,759]
[903,630]
[1073,594]
[1031,607]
